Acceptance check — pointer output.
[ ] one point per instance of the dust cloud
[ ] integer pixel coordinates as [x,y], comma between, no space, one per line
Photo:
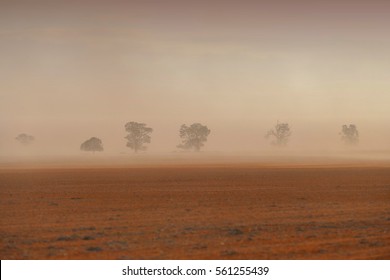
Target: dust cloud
[72,71]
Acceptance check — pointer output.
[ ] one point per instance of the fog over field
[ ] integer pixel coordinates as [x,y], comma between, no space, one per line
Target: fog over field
[72,70]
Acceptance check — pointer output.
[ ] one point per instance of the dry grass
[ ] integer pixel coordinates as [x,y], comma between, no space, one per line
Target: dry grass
[231,212]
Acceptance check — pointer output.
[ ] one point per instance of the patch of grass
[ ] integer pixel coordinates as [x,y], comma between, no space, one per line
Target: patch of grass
[84,228]
[88,237]
[229,253]
[68,238]
[94,249]
[235,231]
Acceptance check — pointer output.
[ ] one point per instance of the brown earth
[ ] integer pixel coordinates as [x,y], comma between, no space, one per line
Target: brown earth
[209,212]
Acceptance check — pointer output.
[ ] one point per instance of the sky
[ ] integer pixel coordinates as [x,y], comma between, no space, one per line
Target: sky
[70,70]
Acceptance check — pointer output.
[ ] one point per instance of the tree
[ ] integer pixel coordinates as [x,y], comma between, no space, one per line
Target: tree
[193,136]
[350,134]
[25,139]
[281,133]
[139,134]
[92,145]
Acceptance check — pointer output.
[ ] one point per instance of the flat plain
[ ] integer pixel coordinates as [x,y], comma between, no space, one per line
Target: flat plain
[241,211]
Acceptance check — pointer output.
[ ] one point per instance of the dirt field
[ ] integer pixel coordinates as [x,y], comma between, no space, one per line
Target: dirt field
[225,212]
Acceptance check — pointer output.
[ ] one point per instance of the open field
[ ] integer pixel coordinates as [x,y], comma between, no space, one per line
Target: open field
[241,211]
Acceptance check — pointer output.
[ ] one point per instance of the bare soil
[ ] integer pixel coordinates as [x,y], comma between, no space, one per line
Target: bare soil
[199,212]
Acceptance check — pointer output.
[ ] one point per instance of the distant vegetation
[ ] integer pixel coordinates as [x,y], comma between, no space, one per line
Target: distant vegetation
[280,133]
[25,139]
[193,136]
[350,134]
[92,145]
[139,134]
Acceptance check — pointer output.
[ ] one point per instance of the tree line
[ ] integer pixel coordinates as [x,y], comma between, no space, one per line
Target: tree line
[193,137]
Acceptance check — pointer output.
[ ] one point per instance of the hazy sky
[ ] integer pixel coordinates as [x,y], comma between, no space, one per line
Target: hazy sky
[70,70]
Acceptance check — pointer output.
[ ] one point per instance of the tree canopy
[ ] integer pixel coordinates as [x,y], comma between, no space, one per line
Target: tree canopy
[350,134]
[193,136]
[94,144]
[281,133]
[24,138]
[139,134]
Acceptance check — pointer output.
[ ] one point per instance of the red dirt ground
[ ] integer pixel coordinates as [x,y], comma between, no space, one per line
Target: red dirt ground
[232,212]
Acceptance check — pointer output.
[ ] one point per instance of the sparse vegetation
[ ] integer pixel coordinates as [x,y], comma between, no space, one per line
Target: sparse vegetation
[193,136]
[94,249]
[224,200]
[139,134]
[281,134]
[25,139]
[350,134]
[94,144]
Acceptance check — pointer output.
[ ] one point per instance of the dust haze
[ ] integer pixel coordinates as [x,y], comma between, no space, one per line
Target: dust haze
[72,71]
[181,129]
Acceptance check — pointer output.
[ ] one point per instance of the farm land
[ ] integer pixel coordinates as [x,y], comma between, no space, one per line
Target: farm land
[238,211]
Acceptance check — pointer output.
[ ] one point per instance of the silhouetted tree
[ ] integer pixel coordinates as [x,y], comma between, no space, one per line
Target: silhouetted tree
[193,136]
[349,134]
[92,145]
[25,139]
[139,134]
[281,134]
